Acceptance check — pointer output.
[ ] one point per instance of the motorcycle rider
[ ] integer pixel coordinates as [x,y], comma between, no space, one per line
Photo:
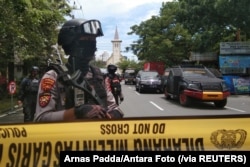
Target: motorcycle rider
[60,100]
[112,80]
[28,93]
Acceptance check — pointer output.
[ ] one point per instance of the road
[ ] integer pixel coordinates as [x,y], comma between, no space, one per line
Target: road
[151,104]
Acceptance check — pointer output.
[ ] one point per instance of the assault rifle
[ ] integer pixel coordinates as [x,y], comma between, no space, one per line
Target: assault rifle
[76,79]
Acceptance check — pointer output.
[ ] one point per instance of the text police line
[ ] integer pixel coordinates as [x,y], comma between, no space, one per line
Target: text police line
[26,154]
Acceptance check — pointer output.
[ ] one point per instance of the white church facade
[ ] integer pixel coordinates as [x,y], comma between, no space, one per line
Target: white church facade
[116,55]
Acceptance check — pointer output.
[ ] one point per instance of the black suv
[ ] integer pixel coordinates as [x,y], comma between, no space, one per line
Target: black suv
[188,83]
[148,80]
[129,77]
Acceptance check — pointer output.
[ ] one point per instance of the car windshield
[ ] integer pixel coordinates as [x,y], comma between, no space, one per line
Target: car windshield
[196,73]
[151,75]
[129,74]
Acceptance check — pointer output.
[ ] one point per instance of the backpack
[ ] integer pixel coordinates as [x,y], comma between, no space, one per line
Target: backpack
[115,85]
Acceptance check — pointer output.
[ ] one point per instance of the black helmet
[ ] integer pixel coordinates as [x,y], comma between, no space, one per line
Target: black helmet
[76,28]
[111,68]
[34,68]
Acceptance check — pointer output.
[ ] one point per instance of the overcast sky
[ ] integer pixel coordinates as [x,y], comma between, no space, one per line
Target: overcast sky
[117,13]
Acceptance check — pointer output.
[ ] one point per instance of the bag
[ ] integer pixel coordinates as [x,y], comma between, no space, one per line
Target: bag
[115,85]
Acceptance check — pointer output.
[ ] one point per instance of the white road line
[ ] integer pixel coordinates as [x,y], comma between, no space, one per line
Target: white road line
[3,115]
[156,106]
[137,93]
[235,109]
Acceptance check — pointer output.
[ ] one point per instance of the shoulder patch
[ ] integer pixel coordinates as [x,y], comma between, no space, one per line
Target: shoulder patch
[47,84]
[44,99]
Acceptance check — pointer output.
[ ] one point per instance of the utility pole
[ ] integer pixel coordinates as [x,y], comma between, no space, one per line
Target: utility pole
[75,7]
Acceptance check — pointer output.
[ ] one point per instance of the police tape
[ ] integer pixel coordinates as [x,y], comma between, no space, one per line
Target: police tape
[40,143]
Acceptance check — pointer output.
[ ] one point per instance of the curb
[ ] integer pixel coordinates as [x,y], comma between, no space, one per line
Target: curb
[9,110]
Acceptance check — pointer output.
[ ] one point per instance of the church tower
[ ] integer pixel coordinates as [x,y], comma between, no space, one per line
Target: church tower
[116,55]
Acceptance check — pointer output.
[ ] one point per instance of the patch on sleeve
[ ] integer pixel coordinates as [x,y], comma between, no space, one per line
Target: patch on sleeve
[44,99]
[47,84]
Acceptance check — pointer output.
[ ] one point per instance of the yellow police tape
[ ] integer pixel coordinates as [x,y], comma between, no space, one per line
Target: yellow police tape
[37,144]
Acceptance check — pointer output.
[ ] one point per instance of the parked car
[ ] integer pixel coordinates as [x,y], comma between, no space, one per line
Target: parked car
[164,78]
[129,77]
[188,83]
[148,80]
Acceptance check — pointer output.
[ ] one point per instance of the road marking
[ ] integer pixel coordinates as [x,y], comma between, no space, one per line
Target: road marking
[235,109]
[137,93]
[10,112]
[3,115]
[156,106]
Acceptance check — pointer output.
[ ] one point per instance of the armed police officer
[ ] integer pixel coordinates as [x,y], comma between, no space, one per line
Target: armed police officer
[112,80]
[76,90]
[28,94]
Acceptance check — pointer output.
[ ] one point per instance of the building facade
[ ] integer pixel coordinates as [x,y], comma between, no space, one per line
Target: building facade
[116,56]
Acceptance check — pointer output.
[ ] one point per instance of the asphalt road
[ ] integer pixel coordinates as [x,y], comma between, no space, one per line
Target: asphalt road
[152,104]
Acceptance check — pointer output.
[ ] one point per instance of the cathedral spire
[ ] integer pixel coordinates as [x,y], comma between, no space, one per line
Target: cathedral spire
[116,34]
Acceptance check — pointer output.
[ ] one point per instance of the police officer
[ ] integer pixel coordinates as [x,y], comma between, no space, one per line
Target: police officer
[83,95]
[112,81]
[28,94]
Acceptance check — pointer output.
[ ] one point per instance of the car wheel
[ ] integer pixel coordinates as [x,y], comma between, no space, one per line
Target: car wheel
[184,99]
[221,103]
[140,89]
[166,93]
[136,88]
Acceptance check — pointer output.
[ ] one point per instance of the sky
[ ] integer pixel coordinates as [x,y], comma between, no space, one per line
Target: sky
[122,14]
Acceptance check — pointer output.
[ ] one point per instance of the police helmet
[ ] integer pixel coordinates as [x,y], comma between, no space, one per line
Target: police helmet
[75,28]
[112,68]
[34,68]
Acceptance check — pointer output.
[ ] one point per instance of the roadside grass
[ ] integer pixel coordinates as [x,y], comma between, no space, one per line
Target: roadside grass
[6,102]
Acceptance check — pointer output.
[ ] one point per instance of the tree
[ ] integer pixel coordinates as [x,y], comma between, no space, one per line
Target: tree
[129,64]
[162,38]
[29,28]
[213,21]
[190,25]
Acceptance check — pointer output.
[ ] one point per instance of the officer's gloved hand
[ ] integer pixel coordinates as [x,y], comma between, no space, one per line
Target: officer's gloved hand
[115,114]
[89,111]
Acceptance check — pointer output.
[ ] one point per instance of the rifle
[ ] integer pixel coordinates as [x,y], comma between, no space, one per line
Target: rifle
[76,79]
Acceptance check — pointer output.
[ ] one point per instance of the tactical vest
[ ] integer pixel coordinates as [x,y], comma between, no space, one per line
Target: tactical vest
[32,86]
[75,96]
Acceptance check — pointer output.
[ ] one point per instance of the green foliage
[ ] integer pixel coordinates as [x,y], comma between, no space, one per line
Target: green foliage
[29,28]
[190,25]
[162,38]
[129,64]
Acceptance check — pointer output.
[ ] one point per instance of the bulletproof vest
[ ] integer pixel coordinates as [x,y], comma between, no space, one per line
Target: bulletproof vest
[94,85]
[32,85]
[75,96]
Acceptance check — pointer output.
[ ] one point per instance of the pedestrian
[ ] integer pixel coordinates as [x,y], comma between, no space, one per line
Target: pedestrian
[76,90]
[28,94]
[113,83]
